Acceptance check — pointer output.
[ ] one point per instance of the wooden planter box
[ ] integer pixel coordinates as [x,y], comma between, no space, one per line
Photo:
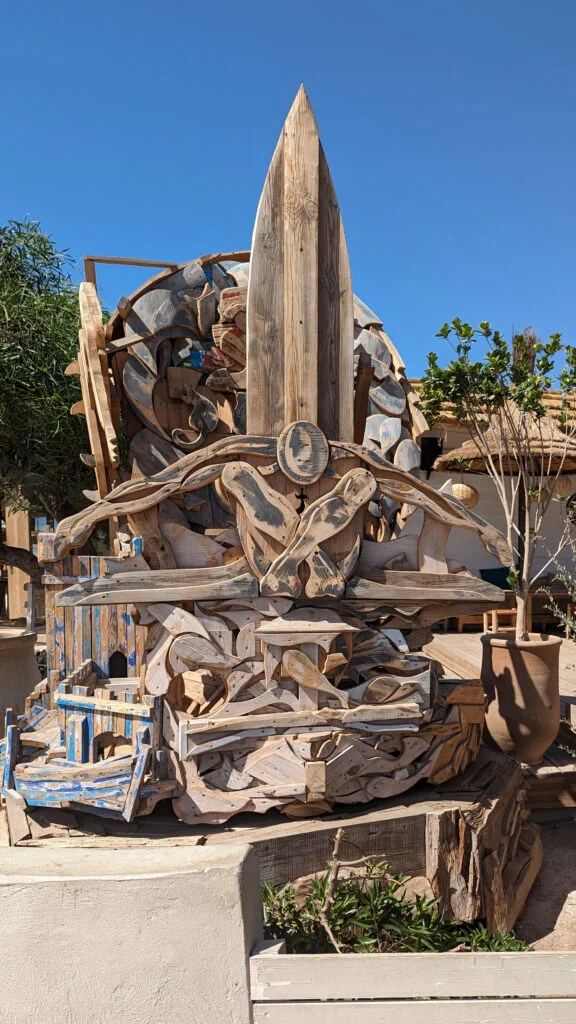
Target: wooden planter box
[412,988]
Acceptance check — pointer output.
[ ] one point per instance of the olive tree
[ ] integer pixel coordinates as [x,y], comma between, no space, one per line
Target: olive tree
[499,396]
[40,443]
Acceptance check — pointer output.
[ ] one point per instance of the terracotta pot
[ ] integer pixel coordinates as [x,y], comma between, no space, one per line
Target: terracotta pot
[521,682]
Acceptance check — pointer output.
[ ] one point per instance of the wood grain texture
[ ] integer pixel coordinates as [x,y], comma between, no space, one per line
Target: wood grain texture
[422,587]
[335,317]
[93,341]
[323,519]
[265,308]
[162,585]
[303,452]
[300,307]
[398,485]
[405,1011]
[421,975]
[140,494]
[265,508]
[300,203]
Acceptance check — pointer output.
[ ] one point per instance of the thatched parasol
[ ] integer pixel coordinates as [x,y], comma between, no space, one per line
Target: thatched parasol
[512,439]
[512,436]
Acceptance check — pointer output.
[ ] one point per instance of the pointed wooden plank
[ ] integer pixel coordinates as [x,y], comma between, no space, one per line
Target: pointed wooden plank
[265,308]
[432,546]
[335,317]
[93,340]
[136,782]
[300,304]
[301,209]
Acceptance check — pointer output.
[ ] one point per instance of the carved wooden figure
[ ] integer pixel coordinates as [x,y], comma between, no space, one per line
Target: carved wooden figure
[276,672]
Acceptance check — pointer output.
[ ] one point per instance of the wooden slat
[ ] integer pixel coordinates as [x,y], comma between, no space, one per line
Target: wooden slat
[335,317]
[460,1011]
[18,535]
[59,643]
[301,201]
[265,308]
[232,580]
[423,587]
[419,975]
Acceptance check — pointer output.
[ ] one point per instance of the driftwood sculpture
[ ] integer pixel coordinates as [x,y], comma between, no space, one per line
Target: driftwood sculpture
[266,538]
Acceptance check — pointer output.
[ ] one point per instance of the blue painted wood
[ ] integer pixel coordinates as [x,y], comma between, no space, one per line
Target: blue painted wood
[142,736]
[77,738]
[104,784]
[60,569]
[136,783]
[115,707]
[10,755]
[32,718]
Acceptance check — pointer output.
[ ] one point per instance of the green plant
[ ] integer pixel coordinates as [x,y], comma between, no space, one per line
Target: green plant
[500,399]
[40,443]
[369,914]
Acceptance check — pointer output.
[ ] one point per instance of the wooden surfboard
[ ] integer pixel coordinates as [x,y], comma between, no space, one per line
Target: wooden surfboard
[300,319]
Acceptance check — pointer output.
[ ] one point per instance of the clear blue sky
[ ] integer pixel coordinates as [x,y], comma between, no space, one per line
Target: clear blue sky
[145,129]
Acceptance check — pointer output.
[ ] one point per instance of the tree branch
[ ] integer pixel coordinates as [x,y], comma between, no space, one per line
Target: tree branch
[21,558]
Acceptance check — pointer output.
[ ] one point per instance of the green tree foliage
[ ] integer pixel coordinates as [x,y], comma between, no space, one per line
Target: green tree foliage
[370,913]
[500,394]
[40,443]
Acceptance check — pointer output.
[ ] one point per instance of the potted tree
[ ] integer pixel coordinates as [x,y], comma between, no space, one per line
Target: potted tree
[499,397]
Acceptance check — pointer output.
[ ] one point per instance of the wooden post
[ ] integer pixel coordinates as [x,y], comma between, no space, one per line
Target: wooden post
[18,535]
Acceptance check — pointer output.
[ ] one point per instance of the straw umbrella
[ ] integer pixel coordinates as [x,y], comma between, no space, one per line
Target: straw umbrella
[525,455]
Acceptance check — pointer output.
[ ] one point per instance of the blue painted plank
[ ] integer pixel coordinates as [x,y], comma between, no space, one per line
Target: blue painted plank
[12,747]
[136,783]
[77,738]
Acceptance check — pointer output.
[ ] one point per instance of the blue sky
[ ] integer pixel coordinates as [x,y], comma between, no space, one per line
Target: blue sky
[145,129]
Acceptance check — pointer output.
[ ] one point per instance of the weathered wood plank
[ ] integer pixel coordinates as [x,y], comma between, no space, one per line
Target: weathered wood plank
[419,975]
[422,587]
[460,1011]
[301,202]
[335,316]
[163,585]
[265,308]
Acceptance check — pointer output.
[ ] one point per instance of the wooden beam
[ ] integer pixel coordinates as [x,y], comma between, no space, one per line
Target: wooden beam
[17,535]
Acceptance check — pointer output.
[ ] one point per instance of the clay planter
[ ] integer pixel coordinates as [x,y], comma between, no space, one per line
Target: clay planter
[521,682]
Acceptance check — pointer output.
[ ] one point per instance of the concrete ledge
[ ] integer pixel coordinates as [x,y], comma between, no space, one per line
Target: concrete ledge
[127,936]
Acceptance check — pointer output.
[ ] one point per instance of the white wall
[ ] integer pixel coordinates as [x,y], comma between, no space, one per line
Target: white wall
[137,936]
